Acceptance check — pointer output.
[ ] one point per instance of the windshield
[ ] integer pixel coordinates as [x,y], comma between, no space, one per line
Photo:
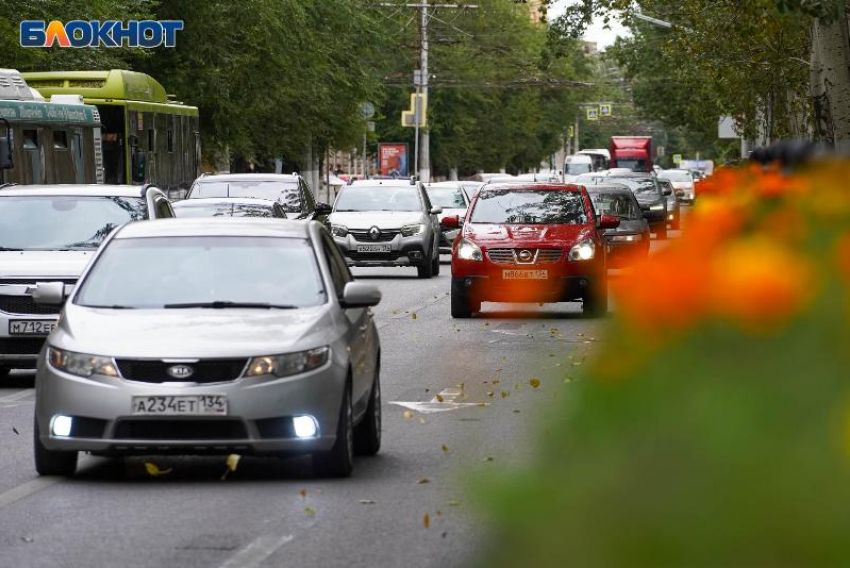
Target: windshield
[576,169]
[64,223]
[507,206]
[285,193]
[378,198]
[187,209]
[640,186]
[676,176]
[447,197]
[635,165]
[170,272]
[620,204]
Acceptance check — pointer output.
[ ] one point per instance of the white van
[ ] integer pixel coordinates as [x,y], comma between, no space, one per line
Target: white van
[577,164]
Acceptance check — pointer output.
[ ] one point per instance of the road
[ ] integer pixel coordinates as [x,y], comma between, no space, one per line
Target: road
[113,513]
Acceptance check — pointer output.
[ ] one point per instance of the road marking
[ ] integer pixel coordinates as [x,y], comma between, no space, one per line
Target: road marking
[443,402]
[20,395]
[30,487]
[254,554]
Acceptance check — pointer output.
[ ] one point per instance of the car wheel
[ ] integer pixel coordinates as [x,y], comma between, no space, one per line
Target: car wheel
[462,305]
[51,462]
[367,434]
[435,266]
[595,301]
[661,233]
[339,461]
[425,270]
[677,223]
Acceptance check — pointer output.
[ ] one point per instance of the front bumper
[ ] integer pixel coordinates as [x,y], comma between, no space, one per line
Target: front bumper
[404,251]
[655,217]
[626,253]
[258,419]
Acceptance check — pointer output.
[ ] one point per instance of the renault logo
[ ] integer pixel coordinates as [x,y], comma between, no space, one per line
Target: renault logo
[374,233]
[525,255]
[180,371]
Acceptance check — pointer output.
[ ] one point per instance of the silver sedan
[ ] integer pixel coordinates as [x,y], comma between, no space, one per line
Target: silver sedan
[212,336]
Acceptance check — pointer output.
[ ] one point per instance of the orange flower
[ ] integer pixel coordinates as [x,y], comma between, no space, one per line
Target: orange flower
[759,283]
[842,256]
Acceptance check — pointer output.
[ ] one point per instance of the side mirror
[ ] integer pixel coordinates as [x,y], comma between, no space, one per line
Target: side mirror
[323,209]
[360,295]
[608,221]
[6,162]
[450,222]
[48,293]
[436,210]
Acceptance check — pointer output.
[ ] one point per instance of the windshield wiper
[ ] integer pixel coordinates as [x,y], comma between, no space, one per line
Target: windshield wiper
[220,305]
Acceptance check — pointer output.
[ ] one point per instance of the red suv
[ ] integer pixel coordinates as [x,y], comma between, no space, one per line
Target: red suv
[530,243]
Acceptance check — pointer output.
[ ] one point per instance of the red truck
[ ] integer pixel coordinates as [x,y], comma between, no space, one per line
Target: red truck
[632,152]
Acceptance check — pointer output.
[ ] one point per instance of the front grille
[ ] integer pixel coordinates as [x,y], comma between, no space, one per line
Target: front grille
[212,429]
[21,345]
[365,237]
[25,304]
[508,256]
[205,371]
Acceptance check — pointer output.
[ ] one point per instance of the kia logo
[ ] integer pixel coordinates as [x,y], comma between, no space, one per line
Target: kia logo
[375,233]
[181,371]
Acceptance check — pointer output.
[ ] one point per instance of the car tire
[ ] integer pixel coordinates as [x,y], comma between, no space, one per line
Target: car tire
[595,301]
[435,266]
[462,305]
[367,434]
[676,225]
[52,462]
[339,461]
[661,233]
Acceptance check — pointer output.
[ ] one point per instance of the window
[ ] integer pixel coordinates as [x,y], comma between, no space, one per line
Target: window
[339,269]
[60,139]
[169,140]
[30,139]
[151,140]
[529,206]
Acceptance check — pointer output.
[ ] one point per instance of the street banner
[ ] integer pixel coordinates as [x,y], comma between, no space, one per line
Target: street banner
[393,159]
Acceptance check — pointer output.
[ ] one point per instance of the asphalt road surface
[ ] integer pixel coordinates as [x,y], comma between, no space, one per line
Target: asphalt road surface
[268,512]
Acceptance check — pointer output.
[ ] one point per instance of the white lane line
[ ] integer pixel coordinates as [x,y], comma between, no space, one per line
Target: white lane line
[20,395]
[253,554]
[30,487]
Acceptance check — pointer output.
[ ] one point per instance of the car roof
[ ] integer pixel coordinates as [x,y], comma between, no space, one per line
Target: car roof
[609,188]
[215,226]
[387,182]
[548,186]
[631,175]
[202,201]
[80,190]
[249,177]
[450,184]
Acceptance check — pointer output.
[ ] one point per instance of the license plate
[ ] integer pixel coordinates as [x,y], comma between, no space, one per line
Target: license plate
[374,248]
[184,405]
[525,274]
[31,327]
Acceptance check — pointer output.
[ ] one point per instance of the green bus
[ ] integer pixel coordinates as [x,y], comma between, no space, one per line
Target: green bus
[46,142]
[147,136]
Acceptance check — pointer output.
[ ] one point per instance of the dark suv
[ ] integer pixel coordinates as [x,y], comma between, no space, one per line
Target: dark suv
[290,190]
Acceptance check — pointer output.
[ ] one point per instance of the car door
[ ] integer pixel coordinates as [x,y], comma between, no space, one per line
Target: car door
[359,334]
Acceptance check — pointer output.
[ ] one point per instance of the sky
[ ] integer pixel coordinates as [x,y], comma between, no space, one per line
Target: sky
[596,32]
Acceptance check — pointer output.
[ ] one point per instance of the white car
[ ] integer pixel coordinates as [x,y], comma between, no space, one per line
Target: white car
[683,183]
[48,234]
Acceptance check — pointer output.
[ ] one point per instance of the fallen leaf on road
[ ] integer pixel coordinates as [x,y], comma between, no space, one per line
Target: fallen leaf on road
[534,383]
[154,471]
[408,414]
[303,493]
[310,511]
[488,459]
[482,404]
[439,513]
[27,538]
[490,394]
[506,394]
[439,398]
[15,430]
[426,520]
[366,502]
[453,503]
[413,316]
[517,386]
[421,420]
[423,481]
[516,410]
[446,448]
[496,382]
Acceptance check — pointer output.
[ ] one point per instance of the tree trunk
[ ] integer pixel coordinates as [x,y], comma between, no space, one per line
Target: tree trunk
[831,80]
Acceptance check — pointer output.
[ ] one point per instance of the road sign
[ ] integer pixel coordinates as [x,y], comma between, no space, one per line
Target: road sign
[571,132]
[605,110]
[593,113]
[677,159]
[659,151]
[418,109]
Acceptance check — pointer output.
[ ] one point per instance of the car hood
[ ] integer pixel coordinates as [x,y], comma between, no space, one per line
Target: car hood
[628,226]
[514,236]
[44,264]
[194,332]
[380,219]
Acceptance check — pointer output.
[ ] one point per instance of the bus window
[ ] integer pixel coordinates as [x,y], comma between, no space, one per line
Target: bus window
[151,140]
[169,140]
[60,139]
[30,140]
[112,118]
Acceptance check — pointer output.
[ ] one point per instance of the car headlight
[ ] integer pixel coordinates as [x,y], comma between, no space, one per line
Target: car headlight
[658,207]
[288,364]
[339,230]
[412,229]
[81,364]
[467,250]
[626,238]
[584,250]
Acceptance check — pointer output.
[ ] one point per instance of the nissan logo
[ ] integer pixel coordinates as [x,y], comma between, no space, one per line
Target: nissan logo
[525,255]
[181,371]
[374,233]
